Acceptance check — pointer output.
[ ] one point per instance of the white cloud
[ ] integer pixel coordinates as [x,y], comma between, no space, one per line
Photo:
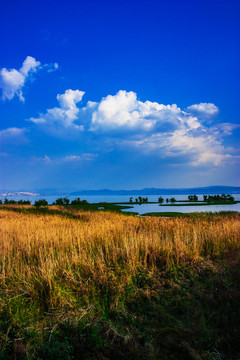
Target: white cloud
[72,158]
[13,135]
[124,110]
[29,64]
[52,67]
[168,130]
[207,109]
[45,159]
[196,147]
[66,114]
[151,127]
[12,81]
[82,157]
[12,132]
[227,128]
[65,159]
[119,110]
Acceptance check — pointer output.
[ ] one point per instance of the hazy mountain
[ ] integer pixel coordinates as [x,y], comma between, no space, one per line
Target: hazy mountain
[162,191]
[146,191]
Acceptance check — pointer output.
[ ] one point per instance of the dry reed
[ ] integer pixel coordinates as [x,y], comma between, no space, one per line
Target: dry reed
[60,261]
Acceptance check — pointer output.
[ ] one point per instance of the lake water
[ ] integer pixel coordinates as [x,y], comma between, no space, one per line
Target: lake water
[147,208]
[141,209]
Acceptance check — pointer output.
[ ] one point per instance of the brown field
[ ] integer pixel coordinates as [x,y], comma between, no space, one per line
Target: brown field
[61,261]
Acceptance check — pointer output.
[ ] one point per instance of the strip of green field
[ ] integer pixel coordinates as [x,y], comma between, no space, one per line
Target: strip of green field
[195,214]
[182,203]
[203,203]
[166,214]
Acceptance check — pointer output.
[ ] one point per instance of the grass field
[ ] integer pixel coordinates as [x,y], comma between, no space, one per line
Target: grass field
[101,285]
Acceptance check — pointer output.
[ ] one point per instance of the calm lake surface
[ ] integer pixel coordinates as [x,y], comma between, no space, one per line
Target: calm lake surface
[147,208]
[141,209]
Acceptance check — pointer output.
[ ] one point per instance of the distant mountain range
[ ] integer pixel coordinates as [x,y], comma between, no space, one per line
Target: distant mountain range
[145,191]
[162,191]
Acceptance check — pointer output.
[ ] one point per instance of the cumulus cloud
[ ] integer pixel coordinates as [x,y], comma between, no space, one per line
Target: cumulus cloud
[29,64]
[151,127]
[207,109]
[66,114]
[120,110]
[12,81]
[124,110]
[197,148]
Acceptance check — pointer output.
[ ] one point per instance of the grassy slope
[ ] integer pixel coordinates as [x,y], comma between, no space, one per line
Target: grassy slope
[86,285]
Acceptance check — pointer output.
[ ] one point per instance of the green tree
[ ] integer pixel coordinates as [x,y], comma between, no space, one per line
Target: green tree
[24,202]
[66,201]
[78,201]
[160,200]
[59,201]
[9,202]
[41,202]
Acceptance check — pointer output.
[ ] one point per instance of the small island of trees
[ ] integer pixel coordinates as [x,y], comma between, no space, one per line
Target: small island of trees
[216,198]
[192,198]
[139,200]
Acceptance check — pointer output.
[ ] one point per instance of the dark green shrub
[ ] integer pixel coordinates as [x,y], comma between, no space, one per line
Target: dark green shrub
[41,202]
[9,202]
[24,202]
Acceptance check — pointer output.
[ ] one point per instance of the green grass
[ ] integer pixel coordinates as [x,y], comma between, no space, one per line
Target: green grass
[166,214]
[193,313]
[186,203]
[202,203]
[190,215]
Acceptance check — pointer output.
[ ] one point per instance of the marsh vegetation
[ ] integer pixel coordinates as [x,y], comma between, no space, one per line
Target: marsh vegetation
[79,284]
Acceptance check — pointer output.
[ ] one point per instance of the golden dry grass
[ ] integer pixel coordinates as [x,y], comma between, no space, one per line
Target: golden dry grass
[61,261]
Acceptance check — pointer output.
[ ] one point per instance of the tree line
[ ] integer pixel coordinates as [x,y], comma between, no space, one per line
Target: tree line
[222,197]
[12,202]
[140,200]
[171,200]
[43,202]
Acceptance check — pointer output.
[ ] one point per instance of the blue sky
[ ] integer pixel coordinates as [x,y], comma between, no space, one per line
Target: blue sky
[119,94]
